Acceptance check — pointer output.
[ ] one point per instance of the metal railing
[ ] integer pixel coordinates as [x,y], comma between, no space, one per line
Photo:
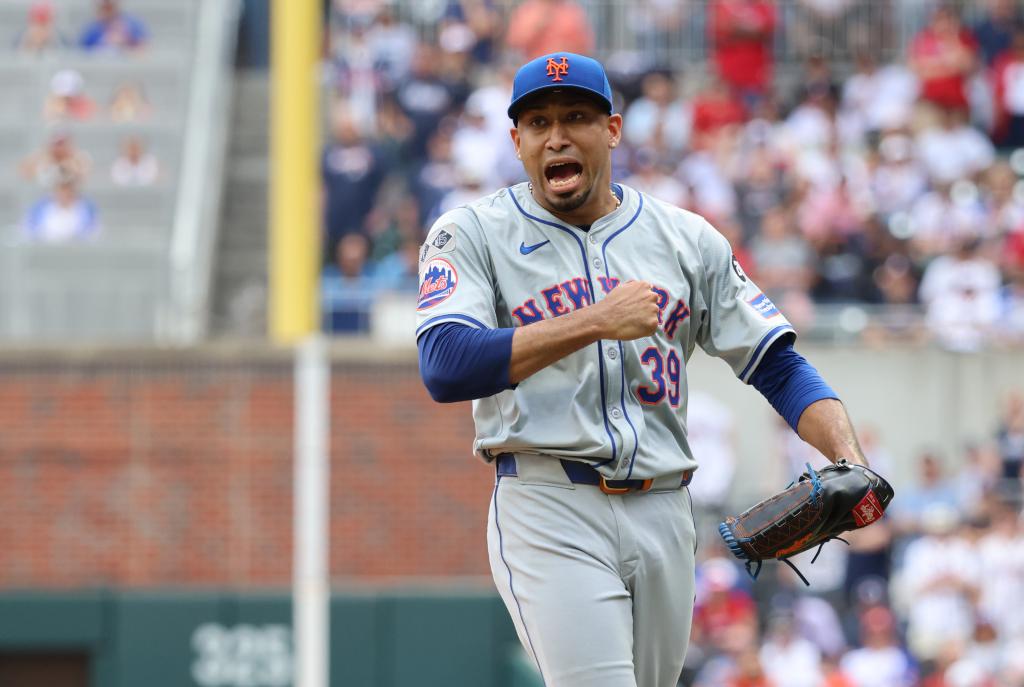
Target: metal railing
[675,34]
[198,204]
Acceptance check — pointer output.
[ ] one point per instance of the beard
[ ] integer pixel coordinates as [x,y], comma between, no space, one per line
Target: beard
[571,202]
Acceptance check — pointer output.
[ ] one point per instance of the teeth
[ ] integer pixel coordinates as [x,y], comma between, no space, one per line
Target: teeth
[569,181]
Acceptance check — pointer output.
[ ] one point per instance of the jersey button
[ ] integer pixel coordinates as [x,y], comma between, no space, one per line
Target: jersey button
[593,239]
[597,263]
[616,413]
[612,353]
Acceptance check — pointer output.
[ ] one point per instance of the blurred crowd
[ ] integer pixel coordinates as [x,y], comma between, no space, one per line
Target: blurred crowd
[838,177]
[930,595]
[60,166]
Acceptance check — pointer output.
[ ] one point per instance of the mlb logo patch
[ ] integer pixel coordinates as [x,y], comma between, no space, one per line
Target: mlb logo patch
[443,237]
[764,306]
[437,283]
[868,510]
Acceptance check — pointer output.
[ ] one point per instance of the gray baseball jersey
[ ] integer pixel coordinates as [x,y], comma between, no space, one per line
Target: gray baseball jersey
[505,261]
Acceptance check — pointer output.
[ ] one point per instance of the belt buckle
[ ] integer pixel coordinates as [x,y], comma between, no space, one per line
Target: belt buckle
[608,489]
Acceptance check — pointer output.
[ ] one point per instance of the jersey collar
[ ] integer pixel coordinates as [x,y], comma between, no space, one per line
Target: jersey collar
[615,218]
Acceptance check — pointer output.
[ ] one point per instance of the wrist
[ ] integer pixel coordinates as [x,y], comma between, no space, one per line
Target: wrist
[592,322]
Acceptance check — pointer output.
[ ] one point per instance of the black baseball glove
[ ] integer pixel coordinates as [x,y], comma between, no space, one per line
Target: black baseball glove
[819,506]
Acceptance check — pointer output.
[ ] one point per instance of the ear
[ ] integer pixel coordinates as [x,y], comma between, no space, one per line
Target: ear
[514,132]
[614,130]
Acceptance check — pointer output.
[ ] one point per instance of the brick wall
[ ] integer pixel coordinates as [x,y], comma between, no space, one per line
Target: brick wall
[153,470]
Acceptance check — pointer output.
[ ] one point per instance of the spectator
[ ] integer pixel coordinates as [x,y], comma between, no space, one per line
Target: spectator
[62,216]
[113,30]
[995,28]
[954,150]
[761,187]
[134,166]
[880,660]
[425,98]
[879,97]
[1010,436]
[474,139]
[741,34]
[129,103]
[435,177]
[541,27]
[899,179]
[782,259]
[829,215]
[961,293]
[59,159]
[943,55]
[942,219]
[939,578]
[491,99]
[749,671]
[724,616]
[353,170]
[347,287]
[484,20]
[67,99]
[1008,86]
[470,177]
[715,108]
[41,35]
[832,674]
[658,119]
[788,659]
[1011,312]
[932,488]
[399,271]
[392,45]
[358,74]
[896,280]
[394,222]
[1001,567]
[1003,208]
[650,178]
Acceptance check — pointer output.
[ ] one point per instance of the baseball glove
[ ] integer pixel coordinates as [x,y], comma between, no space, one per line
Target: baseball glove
[816,508]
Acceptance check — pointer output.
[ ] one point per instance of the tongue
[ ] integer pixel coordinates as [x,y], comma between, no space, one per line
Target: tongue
[561,172]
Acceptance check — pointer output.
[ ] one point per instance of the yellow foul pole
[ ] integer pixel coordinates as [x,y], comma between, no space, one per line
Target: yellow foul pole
[294,179]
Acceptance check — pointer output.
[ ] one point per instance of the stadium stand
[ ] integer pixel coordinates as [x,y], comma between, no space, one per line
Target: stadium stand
[50,292]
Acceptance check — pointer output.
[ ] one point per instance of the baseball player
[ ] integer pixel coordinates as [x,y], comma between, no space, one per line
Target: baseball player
[567,308]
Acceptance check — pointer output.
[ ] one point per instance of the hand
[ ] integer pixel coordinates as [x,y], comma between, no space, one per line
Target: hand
[629,311]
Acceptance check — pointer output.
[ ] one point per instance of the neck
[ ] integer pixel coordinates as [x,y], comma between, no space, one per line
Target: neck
[598,205]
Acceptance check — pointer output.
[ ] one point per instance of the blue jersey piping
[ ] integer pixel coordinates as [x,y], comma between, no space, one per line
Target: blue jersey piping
[454,316]
[590,286]
[767,338]
[622,355]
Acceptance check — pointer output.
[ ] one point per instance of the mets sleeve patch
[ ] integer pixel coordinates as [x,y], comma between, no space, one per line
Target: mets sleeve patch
[437,283]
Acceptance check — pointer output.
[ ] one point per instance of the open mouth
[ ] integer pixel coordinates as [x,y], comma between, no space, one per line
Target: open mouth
[563,176]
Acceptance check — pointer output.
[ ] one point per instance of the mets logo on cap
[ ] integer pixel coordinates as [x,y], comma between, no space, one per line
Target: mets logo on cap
[438,281]
[556,70]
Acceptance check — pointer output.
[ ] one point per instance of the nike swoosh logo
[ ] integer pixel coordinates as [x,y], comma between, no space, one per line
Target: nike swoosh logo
[526,250]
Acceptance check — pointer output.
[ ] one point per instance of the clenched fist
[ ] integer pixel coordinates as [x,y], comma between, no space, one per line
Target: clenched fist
[629,311]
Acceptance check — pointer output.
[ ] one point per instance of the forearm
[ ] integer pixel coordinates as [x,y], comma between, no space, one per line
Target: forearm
[825,425]
[542,343]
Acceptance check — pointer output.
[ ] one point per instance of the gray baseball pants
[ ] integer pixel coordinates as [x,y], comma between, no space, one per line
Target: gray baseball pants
[600,587]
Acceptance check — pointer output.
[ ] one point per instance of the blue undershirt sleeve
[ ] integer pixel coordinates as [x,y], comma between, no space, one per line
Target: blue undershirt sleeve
[789,382]
[462,363]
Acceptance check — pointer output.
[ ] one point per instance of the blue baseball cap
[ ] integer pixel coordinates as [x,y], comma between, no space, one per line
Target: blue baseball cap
[560,70]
